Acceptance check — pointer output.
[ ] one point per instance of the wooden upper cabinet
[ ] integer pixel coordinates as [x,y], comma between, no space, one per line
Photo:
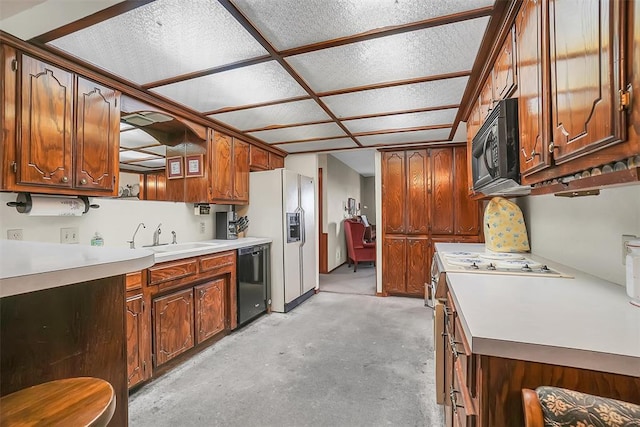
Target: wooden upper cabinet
[258,158]
[417,207]
[241,171]
[97,136]
[221,165]
[585,76]
[442,214]
[534,155]
[504,70]
[229,169]
[275,161]
[68,131]
[466,211]
[486,100]
[44,147]
[393,191]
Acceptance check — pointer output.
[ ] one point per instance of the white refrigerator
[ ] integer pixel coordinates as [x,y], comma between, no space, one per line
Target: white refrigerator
[282,207]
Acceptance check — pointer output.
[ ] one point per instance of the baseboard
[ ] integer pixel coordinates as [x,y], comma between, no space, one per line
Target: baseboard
[382,294]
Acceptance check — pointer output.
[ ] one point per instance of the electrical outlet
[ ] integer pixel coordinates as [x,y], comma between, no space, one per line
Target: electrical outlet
[625,250]
[202,227]
[338,255]
[15,234]
[69,235]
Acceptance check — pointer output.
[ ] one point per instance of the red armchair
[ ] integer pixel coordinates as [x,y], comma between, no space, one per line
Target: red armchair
[357,249]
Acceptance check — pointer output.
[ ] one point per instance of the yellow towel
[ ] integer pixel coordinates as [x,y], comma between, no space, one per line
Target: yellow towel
[504,228]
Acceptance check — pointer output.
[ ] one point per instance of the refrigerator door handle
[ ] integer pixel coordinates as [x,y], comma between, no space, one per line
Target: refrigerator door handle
[303,227]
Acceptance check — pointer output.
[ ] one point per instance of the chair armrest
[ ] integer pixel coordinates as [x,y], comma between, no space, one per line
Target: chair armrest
[532,409]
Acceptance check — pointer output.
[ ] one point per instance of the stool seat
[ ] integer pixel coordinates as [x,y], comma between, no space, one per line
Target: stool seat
[82,401]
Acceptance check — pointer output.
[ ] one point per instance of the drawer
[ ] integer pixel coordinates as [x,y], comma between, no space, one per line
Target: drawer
[214,261]
[172,271]
[462,404]
[134,281]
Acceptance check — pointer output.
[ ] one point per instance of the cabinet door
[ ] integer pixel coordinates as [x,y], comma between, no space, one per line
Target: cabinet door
[486,99]
[504,78]
[585,76]
[534,155]
[393,264]
[466,211]
[393,192]
[44,145]
[442,191]
[258,158]
[173,325]
[418,265]
[417,200]
[222,167]
[209,308]
[275,161]
[97,136]
[137,342]
[241,171]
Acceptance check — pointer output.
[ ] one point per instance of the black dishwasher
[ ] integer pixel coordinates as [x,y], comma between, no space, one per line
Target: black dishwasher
[253,277]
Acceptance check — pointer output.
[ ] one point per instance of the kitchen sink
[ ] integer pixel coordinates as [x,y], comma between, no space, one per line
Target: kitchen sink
[182,247]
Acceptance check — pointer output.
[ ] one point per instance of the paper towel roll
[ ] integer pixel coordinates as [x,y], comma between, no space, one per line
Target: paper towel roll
[51,205]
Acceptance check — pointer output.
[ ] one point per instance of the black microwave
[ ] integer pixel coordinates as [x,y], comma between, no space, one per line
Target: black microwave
[495,162]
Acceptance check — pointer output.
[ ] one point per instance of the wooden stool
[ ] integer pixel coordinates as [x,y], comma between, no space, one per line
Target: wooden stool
[80,401]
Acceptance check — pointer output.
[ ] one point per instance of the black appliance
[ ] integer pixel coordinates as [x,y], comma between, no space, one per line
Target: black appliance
[495,162]
[226,225]
[253,277]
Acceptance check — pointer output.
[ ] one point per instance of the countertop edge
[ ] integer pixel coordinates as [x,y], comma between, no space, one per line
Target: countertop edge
[224,245]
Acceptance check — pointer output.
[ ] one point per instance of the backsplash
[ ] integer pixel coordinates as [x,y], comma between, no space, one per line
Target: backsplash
[584,232]
[115,220]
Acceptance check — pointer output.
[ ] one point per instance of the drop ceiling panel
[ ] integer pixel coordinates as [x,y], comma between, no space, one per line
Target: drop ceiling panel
[398,98]
[432,51]
[242,86]
[298,133]
[280,114]
[127,156]
[405,137]
[291,23]
[163,39]
[160,150]
[329,144]
[400,121]
[136,138]
[159,163]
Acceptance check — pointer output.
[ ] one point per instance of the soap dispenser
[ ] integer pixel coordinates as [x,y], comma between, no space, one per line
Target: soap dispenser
[97,240]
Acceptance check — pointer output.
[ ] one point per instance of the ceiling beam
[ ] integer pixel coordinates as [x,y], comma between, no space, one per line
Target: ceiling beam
[244,21]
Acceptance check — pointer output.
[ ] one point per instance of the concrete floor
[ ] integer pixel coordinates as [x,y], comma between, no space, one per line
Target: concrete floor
[344,280]
[336,360]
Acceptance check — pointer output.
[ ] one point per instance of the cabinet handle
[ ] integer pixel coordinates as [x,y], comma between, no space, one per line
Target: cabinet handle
[83,181]
[534,153]
[552,146]
[65,179]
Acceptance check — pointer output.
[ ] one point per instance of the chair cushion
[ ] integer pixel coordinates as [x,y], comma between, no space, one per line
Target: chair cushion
[562,407]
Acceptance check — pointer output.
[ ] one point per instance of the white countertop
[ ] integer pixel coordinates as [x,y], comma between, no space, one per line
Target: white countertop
[219,246]
[583,322]
[34,266]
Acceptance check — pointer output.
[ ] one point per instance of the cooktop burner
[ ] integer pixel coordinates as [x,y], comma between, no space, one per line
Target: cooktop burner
[496,263]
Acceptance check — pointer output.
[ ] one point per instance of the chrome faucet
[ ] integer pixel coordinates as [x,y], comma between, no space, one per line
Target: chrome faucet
[174,240]
[132,242]
[156,235]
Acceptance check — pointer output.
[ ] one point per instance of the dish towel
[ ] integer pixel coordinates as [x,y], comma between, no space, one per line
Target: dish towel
[504,228]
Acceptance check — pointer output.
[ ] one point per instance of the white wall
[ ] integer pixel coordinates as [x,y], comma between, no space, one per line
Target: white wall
[116,220]
[342,182]
[584,232]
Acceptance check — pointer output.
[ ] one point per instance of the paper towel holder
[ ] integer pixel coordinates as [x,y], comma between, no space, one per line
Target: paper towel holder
[24,203]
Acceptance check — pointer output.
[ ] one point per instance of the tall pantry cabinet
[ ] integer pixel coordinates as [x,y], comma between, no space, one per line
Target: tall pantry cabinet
[424,200]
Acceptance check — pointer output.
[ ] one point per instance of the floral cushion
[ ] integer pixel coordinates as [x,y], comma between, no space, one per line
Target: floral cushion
[570,408]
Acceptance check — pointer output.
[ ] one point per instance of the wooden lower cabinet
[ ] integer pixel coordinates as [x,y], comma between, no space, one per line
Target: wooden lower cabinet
[209,308]
[406,265]
[138,341]
[173,325]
